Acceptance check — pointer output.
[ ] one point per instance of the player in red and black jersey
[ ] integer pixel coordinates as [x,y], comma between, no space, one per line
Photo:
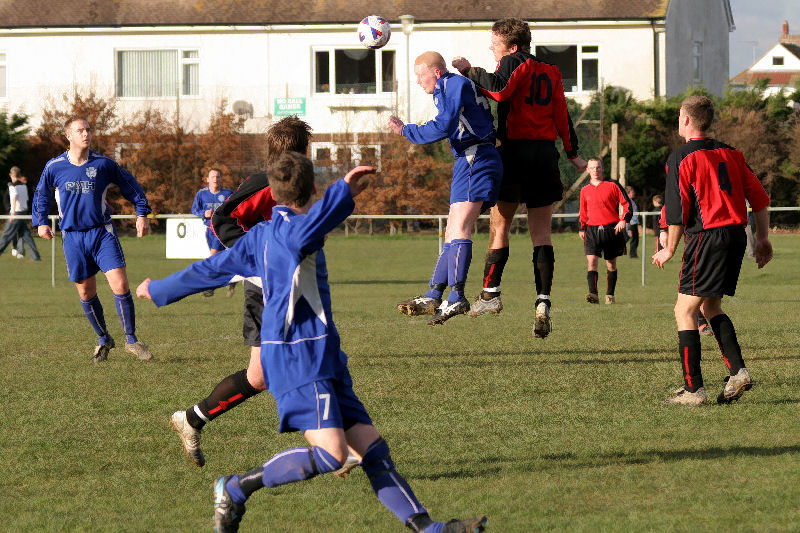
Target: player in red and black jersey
[602,230]
[532,114]
[250,204]
[707,185]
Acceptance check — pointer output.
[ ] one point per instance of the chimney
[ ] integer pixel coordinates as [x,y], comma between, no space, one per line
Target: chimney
[785,29]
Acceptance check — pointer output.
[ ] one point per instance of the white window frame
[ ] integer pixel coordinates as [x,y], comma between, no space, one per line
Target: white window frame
[4,65]
[580,56]
[182,61]
[380,90]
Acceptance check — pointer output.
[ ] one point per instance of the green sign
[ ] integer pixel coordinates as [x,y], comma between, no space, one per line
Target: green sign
[290,106]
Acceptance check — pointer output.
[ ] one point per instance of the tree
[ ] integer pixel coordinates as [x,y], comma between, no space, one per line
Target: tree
[13,141]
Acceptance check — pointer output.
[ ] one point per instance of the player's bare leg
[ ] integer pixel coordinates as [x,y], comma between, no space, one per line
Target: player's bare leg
[118,280]
[611,280]
[460,222]
[500,218]
[540,227]
[93,309]
[738,381]
[693,393]
[227,394]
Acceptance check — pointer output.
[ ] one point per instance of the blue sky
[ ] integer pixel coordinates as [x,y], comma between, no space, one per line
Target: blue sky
[758,28]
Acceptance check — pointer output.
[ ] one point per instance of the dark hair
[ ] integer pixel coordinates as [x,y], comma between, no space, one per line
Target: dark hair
[73,118]
[700,110]
[291,179]
[290,134]
[514,31]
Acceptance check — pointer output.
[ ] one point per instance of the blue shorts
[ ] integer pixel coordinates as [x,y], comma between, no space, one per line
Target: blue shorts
[91,250]
[213,242]
[320,404]
[477,175]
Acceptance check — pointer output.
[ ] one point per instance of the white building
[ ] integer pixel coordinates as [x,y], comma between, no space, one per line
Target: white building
[266,58]
[780,65]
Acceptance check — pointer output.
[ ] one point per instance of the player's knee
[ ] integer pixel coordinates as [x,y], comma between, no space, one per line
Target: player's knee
[325,462]
[377,459]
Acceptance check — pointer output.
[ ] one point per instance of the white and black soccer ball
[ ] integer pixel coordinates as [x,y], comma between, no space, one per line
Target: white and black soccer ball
[374,32]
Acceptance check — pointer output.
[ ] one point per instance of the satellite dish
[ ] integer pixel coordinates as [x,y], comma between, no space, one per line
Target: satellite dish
[243,109]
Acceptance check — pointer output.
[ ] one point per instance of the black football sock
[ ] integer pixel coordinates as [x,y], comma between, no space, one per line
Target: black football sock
[591,278]
[725,334]
[611,281]
[228,393]
[689,349]
[544,260]
[493,272]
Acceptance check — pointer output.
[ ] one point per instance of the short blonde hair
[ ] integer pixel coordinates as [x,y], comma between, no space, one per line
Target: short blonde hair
[432,60]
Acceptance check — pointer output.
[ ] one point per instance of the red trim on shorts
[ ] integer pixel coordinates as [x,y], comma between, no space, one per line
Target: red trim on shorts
[694,267]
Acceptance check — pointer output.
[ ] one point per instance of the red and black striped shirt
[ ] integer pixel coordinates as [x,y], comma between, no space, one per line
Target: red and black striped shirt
[707,185]
[531,100]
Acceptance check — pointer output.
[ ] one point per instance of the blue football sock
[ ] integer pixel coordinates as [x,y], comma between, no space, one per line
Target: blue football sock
[457,268]
[390,487]
[438,280]
[288,466]
[127,315]
[93,310]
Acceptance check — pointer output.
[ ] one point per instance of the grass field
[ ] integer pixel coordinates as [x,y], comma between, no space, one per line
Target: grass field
[565,434]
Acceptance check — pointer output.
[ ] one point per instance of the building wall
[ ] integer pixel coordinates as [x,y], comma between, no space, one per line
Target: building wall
[256,65]
[791,63]
[690,22]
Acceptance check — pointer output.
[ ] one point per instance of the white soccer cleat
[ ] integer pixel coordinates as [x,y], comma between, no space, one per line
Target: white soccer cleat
[140,350]
[541,324]
[684,397]
[190,437]
[735,386]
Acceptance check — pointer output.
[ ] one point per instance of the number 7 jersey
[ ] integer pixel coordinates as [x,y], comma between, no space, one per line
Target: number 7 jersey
[707,185]
[532,105]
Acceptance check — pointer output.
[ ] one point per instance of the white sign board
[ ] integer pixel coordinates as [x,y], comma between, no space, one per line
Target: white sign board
[186,238]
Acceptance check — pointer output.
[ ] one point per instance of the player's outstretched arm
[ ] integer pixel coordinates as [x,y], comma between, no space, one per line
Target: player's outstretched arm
[143,290]
[353,178]
[396,125]
[460,63]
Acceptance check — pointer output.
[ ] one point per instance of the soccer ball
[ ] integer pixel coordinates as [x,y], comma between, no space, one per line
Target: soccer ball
[374,31]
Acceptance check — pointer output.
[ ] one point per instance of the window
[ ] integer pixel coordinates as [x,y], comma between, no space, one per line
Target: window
[158,73]
[697,62]
[778,61]
[579,65]
[354,71]
[3,93]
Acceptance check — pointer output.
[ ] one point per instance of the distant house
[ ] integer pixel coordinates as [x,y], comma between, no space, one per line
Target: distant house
[267,58]
[780,65]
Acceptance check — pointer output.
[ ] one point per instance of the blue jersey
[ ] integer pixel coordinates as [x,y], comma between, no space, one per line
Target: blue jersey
[463,116]
[205,200]
[81,192]
[299,342]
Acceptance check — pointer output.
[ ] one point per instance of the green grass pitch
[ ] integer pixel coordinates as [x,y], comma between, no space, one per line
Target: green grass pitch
[563,434]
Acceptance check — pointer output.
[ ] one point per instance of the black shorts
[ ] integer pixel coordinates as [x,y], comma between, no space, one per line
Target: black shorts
[603,242]
[530,173]
[253,308]
[712,260]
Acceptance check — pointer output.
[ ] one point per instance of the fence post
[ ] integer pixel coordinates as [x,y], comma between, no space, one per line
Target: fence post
[441,234]
[53,252]
[644,248]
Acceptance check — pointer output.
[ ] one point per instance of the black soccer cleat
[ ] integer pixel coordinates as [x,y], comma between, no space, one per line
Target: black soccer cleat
[470,525]
[101,352]
[227,513]
[448,310]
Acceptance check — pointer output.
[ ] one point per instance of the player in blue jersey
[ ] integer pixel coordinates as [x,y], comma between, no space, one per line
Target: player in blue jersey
[81,178]
[206,201]
[465,120]
[304,366]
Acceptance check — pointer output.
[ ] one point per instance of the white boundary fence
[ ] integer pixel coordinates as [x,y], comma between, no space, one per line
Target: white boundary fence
[441,219]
